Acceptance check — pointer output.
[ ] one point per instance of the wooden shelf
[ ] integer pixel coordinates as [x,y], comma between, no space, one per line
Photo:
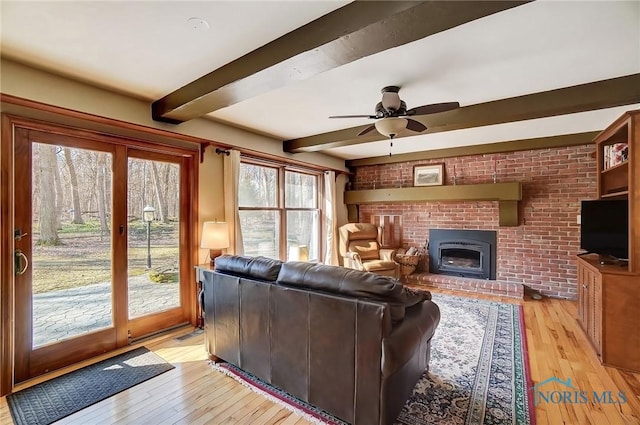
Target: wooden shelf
[468,192]
[614,180]
[608,293]
[620,181]
[621,194]
[615,267]
[507,194]
[615,167]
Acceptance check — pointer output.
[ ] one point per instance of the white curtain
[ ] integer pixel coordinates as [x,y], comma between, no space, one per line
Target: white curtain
[232,216]
[330,215]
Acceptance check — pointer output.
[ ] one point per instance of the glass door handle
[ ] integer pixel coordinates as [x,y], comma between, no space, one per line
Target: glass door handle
[21,262]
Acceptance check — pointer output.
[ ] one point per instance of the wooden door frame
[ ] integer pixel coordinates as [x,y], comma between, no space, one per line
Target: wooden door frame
[6,257]
[7,294]
[144,325]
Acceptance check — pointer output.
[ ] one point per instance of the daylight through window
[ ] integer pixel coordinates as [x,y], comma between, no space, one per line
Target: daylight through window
[279,213]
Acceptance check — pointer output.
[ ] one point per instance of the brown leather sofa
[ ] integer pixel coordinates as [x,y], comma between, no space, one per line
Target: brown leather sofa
[349,342]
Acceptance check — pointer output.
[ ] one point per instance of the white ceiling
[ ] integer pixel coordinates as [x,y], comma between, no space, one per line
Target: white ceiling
[148,49]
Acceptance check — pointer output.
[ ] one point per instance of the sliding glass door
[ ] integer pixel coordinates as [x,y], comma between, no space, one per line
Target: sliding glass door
[154,251]
[102,251]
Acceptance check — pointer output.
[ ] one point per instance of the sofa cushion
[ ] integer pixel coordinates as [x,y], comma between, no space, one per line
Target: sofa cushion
[261,268]
[379,265]
[368,250]
[353,283]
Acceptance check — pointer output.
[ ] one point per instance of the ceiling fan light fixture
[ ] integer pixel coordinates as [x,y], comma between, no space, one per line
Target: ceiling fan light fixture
[390,127]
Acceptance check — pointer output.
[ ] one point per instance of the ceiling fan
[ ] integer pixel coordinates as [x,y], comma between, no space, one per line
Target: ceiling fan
[392,114]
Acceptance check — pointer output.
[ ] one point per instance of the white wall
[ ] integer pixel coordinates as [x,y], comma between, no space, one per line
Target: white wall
[29,83]
[33,84]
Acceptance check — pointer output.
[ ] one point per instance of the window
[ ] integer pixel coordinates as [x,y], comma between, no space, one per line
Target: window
[279,212]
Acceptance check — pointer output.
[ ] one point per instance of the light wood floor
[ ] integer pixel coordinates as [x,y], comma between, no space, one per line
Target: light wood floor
[192,393]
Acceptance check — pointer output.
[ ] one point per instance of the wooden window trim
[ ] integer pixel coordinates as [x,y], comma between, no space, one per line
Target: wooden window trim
[281,169]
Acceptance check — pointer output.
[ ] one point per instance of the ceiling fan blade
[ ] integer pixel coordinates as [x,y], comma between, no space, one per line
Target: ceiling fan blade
[433,108]
[367,130]
[354,116]
[416,126]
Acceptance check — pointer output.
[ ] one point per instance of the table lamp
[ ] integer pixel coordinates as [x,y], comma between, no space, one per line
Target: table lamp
[215,238]
[298,253]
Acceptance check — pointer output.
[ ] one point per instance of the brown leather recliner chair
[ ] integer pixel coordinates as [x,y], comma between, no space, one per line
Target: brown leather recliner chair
[360,248]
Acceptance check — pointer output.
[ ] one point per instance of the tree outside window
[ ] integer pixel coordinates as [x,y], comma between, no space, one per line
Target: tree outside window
[278,211]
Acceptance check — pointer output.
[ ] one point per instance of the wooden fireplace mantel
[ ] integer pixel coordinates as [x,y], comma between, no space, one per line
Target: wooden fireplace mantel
[507,195]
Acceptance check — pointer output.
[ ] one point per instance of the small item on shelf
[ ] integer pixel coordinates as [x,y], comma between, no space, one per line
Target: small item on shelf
[621,151]
[615,154]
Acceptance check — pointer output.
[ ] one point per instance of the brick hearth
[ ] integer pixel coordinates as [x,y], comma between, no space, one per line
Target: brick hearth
[465,284]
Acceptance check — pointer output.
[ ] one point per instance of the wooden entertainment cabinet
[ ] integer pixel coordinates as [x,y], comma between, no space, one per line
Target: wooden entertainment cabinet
[609,291]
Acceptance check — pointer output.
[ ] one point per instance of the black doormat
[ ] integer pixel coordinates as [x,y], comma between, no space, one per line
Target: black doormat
[52,400]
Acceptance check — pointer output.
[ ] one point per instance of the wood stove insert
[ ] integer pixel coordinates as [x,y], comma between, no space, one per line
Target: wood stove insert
[465,253]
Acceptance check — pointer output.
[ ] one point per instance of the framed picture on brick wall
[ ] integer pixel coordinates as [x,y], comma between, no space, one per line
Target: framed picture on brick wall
[428,175]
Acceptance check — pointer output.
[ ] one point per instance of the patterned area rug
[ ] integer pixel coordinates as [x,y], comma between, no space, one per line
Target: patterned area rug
[479,373]
[52,400]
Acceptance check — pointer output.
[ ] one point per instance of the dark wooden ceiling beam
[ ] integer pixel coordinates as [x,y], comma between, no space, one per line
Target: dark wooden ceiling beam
[580,98]
[563,140]
[357,30]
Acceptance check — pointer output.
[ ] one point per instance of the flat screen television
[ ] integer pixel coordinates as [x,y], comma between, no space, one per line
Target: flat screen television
[604,227]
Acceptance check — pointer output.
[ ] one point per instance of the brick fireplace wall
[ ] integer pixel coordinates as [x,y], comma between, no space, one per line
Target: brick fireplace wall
[540,252]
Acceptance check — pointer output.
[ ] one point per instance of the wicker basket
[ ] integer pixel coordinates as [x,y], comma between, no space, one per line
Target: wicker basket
[408,263]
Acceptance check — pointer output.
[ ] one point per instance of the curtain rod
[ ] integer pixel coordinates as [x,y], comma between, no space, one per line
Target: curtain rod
[266,159]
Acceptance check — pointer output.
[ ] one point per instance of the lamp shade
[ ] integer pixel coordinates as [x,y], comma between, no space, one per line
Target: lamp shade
[215,235]
[390,127]
[299,253]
